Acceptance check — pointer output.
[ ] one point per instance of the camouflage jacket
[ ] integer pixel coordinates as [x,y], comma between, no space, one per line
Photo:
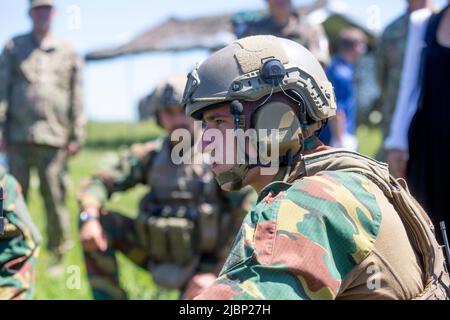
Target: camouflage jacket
[298,29]
[18,244]
[41,92]
[325,236]
[389,64]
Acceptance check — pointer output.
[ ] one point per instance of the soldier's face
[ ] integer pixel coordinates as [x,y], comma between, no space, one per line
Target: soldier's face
[42,17]
[222,120]
[418,4]
[173,118]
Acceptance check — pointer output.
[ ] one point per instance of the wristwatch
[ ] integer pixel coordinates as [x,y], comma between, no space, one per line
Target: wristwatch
[86,216]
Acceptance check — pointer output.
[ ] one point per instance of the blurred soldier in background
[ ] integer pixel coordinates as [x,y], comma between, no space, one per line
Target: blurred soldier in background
[185,222]
[284,22]
[42,115]
[390,55]
[18,243]
[351,46]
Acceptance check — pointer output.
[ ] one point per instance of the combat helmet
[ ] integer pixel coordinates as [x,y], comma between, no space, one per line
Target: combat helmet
[254,69]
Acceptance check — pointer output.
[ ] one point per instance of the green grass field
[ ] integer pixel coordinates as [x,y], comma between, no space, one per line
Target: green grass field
[105,140]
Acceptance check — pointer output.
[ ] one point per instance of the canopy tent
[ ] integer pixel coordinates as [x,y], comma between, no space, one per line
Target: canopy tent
[210,32]
[175,35]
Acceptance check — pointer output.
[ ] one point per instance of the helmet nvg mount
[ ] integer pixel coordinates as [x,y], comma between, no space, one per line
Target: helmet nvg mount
[254,68]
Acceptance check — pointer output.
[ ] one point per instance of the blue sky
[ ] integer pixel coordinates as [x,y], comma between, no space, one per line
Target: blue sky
[112,88]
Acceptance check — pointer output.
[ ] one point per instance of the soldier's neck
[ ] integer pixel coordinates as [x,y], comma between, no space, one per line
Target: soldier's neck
[257,180]
[41,35]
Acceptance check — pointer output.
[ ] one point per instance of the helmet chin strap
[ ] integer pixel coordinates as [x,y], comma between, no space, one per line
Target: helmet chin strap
[235,176]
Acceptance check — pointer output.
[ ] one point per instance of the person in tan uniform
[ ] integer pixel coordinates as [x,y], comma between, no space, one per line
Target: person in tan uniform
[41,113]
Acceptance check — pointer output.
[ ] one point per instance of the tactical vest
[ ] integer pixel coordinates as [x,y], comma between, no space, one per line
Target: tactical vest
[416,221]
[185,216]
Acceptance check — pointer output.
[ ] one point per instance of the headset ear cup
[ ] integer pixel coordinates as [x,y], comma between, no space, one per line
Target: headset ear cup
[278,116]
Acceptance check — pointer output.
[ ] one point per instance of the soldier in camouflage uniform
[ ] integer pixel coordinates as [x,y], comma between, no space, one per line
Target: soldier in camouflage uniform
[184,224]
[18,244]
[41,114]
[328,223]
[283,21]
[389,63]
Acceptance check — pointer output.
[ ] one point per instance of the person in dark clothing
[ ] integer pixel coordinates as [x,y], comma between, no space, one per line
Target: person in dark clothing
[428,170]
[420,134]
